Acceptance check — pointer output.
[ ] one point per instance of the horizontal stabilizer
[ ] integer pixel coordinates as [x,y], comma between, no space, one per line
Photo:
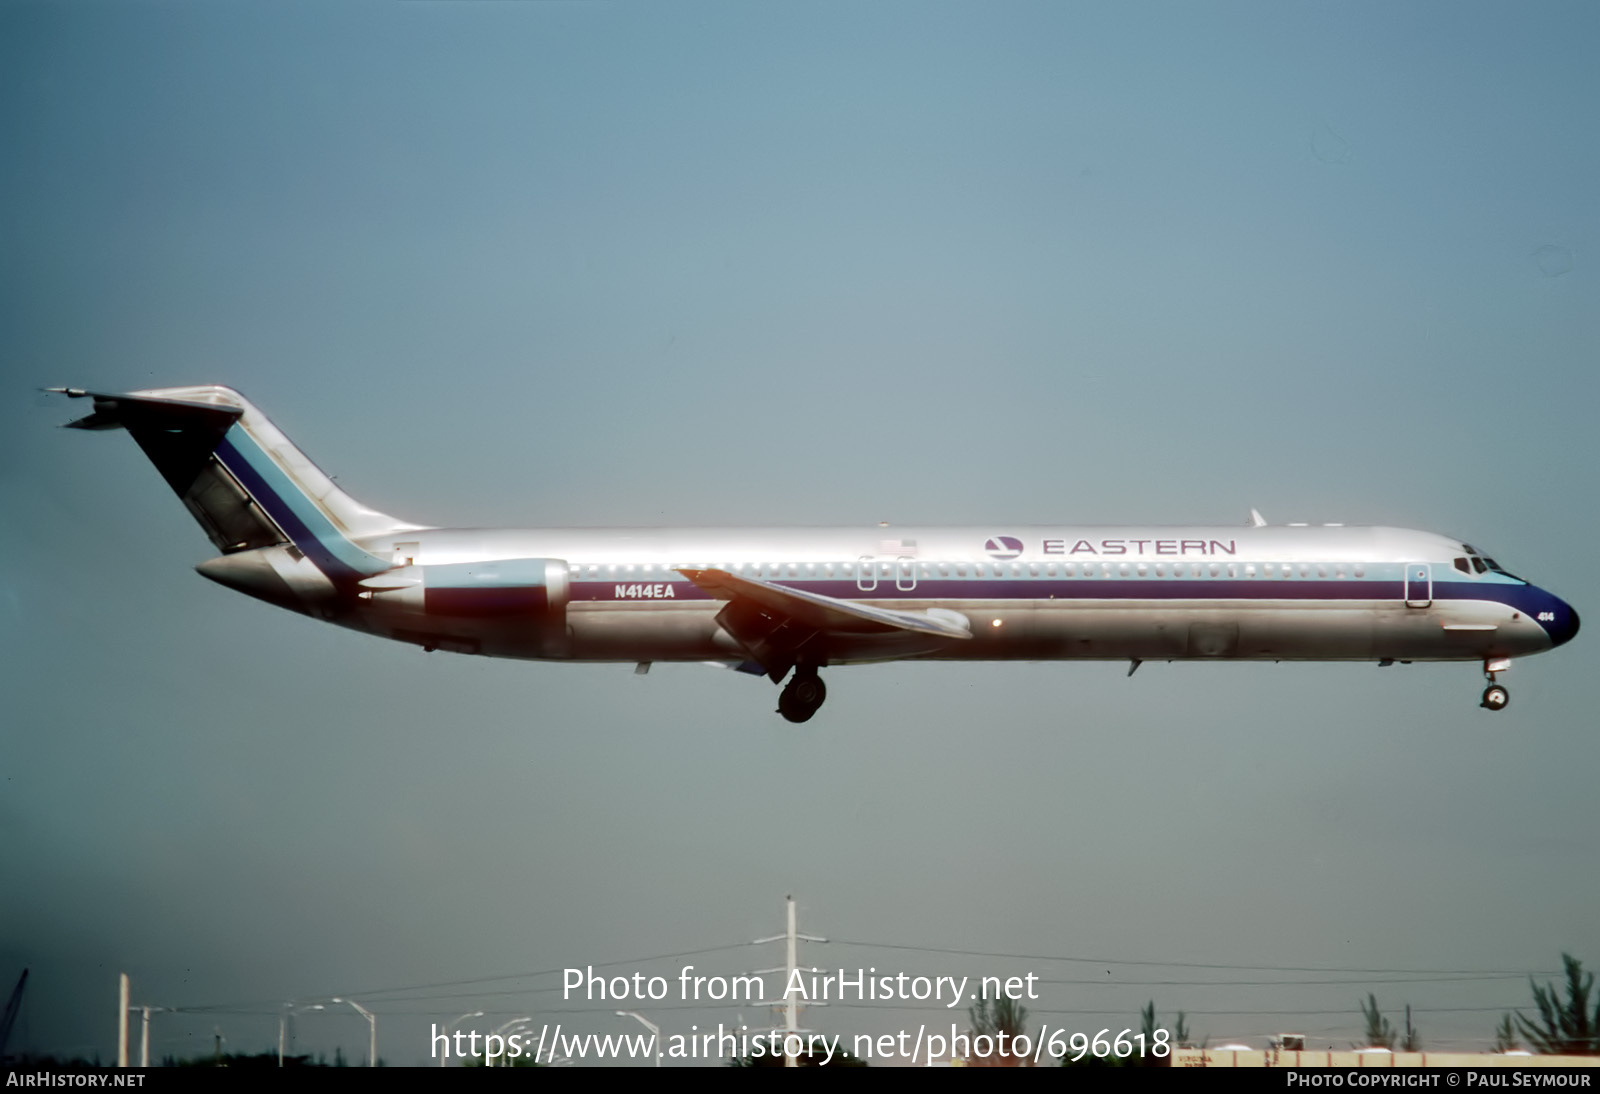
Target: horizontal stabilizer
[240,477]
[126,411]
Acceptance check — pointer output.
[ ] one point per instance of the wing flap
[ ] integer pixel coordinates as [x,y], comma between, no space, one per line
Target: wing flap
[826,613]
[780,627]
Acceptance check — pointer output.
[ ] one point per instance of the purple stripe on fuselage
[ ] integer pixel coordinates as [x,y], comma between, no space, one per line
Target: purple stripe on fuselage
[1523,597]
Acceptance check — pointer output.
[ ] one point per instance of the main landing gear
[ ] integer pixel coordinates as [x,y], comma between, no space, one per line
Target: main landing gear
[803,695]
[1495,696]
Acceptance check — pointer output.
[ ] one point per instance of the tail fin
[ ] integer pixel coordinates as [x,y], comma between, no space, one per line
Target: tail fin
[241,478]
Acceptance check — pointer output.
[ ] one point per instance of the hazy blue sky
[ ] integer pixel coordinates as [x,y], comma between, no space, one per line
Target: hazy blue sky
[815,263]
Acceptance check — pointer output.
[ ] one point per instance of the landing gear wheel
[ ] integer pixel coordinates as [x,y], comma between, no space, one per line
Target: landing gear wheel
[1495,697]
[802,697]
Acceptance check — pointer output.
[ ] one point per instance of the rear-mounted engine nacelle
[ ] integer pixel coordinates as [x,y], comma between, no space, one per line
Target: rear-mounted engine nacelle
[506,588]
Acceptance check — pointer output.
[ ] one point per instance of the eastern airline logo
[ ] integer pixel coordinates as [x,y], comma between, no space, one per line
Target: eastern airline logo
[1003,547]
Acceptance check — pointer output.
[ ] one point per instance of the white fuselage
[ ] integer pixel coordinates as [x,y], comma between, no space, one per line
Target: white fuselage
[1030,593]
[778,601]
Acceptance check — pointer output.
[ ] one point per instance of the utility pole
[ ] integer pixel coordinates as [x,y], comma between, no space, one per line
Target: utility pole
[13,1005]
[372,1030]
[791,1009]
[655,1030]
[144,1010]
[122,1023]
[287,1014]
[448,1030]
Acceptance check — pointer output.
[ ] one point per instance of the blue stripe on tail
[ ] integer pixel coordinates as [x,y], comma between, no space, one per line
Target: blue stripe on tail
[300,518]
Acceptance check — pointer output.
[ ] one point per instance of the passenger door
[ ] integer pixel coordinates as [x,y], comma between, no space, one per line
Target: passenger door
[1419,585]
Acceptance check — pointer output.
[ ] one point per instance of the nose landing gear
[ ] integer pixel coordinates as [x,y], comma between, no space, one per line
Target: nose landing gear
[1495,696]
[803,695]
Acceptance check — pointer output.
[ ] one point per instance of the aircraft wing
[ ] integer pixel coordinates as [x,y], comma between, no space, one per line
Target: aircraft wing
[825,613]
[781,627]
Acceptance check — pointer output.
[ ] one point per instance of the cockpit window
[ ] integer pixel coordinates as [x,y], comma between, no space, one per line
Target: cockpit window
[1502,571]
[1461,564]
[1477,564]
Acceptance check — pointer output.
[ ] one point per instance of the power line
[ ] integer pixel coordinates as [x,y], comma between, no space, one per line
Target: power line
[1518,973]
[213,1007]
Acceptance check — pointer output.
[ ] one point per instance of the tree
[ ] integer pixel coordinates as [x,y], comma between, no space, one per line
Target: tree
[1177,1035]
[1007,1017]
[1505,1036]
[1380,1034]
[1180,1033]
[1569,1028]
[1413,1041]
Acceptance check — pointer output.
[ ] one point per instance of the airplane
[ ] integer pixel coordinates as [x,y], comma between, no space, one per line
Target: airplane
[786,603]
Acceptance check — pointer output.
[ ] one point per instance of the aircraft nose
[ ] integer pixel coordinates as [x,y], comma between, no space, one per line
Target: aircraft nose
[1571,629]
[1560,621]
